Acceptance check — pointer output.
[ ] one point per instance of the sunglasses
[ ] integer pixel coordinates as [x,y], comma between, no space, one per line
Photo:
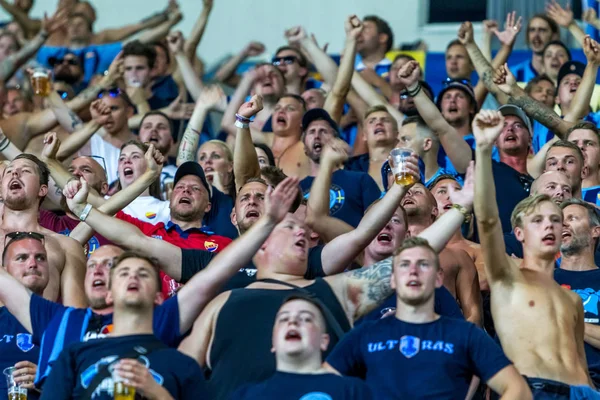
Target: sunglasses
[114,93]
[287,60]
[53,61]
[16,236]
[450,81]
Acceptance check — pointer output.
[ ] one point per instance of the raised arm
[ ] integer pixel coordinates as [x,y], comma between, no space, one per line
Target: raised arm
[16,298]
[238,98]
[339,253]
[487,126]
[564,18]
[245,161]
[334,154]
[13,62]
[29,25]
[162,30]
[123,233]
[226,72]
[154,161]
[124,32]
[580,105]
[507,38]
[370,285]
[210,98]
[72,276]
[198,30]
[204,286]
[505,81]
[454,145]
[80,137]
[191,80]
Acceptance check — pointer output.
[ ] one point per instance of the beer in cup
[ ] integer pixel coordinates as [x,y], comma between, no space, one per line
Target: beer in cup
[40,82]
[15,392]
[398,165]
[121,391]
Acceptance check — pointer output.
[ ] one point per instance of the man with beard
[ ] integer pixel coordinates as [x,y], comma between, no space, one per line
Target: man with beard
[460,274]
[68,69]
[540,30]
[374,42]
[351,192]
[24,186]
[579,272]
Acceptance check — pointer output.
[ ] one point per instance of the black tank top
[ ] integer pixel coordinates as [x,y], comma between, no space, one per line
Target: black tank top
[241,348]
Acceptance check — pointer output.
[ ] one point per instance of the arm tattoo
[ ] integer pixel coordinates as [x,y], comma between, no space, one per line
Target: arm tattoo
[537,111]
[483,67]
[10,64]
[75,120]
[376,281]
[188,146]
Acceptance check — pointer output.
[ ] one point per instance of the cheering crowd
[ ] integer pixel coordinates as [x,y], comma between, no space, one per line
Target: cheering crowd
[163,240]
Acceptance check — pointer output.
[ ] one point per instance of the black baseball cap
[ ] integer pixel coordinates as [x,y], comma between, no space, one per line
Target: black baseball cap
[568,68]
[319,114]
[191,168]
[461,84]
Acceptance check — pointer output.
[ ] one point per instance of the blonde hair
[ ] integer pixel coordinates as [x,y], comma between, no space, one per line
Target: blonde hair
[526,207]
[223,146]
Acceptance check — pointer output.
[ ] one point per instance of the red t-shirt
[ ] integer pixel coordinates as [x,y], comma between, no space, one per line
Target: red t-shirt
[198,239]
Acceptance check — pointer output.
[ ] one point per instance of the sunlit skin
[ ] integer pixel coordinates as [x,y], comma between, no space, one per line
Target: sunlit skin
[589,143]
[271,86]
[91,171]
[116,120]
[387,240]
[554,184]
[565,160]
[316,136]
[541,230]
[566,90]
[97,275]
[78,30]
[554,57]
[14,104]
[136,71]
[249,205]
[292,71]
[27,261]
[132,164]
[21,187]
[577,233]
[314,98]
[190,200]
[456,106]
[380,129]
[458,63]
[134,284]
[415,276]
[288,243]
[544,92]
[156,130]
[299,331]
[539,34]
[368,40]
[213,160]
[287,116]
[514,138]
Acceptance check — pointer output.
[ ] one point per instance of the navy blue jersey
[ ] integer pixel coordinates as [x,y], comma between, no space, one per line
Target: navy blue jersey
[350,194]
[591,195]
[218,218]
[445,305]
[434,360]
[77,366]
[56,327]
[16,345]
[288,386]
[587,285]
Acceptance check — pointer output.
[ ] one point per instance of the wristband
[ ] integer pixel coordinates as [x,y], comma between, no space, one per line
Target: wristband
[241,124]
[4,144]
[463,211]
[415,91]
[242,119]
[86,211]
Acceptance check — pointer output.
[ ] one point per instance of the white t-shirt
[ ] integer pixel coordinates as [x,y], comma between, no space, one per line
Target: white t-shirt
[149,209]
[101,148]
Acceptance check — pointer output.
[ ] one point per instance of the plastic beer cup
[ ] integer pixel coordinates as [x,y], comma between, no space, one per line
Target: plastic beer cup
[398,164]
[15,392]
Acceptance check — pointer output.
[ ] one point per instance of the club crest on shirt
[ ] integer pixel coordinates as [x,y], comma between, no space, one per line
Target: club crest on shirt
[210,246]
[150,215]
[24,342]
[409,346]
[316,396]
[337,197]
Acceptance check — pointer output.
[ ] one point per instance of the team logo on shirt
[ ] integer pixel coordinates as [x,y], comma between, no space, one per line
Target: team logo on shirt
[24,342]
[210,246]
[409,346]
[591,300]
[316,396]
[107,385]
[337,197]
[150,215]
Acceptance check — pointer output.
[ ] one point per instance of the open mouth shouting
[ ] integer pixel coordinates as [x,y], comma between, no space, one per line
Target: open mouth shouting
[384,238]
[293,336]
[549,239]
[252,214]
[15,184]
[127,172]
[133,287]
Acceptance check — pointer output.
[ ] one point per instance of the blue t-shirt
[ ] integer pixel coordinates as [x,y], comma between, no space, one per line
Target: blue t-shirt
[56,327]
[350,194]
[587,285]
[511,188]
[524,71]
[445,305]
[591,195]
[288,386]
[16,345]
[96,57]
[434,360]
[218,218]
[445,163]
[77,366]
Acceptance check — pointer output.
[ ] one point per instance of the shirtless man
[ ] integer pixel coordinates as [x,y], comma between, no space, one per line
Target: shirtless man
[460,274]
[24,186]
[540,324]
[236,359]
[440,189]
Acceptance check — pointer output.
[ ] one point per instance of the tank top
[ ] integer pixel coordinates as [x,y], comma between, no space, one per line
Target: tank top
[241,348]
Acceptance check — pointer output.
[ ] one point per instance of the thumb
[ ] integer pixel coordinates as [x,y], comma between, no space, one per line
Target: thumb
[84,185]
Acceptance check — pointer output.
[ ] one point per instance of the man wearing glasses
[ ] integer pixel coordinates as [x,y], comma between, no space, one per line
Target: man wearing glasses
[292,63]
[25,259]
[68,69]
